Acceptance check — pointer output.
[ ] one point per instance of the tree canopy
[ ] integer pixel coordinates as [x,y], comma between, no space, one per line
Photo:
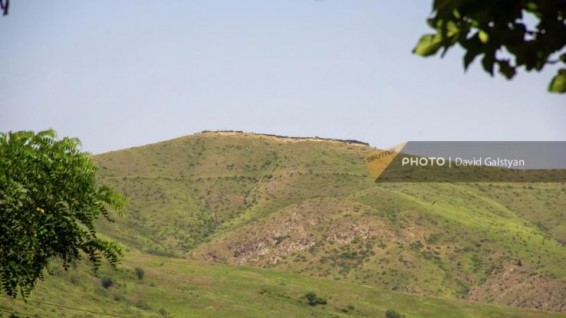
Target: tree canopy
[507,34]
[49,202]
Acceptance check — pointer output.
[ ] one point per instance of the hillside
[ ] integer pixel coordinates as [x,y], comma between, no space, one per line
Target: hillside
[308,206]
[179,288]
[243,225]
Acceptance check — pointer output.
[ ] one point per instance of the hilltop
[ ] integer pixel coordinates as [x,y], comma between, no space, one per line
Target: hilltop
[283,137]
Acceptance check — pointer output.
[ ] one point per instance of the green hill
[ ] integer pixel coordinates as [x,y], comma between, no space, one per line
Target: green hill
[279,217]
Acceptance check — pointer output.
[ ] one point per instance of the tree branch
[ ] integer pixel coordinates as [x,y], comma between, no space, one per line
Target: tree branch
[4,6]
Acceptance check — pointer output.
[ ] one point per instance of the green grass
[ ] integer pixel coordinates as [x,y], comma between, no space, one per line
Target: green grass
[182,288]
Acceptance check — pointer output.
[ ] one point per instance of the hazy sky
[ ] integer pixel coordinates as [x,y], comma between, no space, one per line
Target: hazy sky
[118,74]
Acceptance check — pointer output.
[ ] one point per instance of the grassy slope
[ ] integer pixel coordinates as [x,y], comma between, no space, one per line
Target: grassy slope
[182,288]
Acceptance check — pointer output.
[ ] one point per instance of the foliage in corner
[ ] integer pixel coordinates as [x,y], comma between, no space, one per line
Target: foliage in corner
[506,34]
[49,202]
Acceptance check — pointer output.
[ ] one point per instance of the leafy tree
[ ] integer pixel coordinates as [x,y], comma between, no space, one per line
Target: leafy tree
[507,34]
[49,202]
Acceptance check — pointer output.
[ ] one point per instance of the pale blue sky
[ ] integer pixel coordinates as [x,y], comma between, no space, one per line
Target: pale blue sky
[118,74]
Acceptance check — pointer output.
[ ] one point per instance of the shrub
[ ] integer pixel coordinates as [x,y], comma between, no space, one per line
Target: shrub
[390,313]
[140,273]
[313,299]
[106,282]
[347,309]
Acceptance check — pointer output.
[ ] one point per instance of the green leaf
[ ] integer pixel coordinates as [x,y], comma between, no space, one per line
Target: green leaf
[483,36]
[428,45]
[456,14]
[440,4]
[506,69]
[558,83]
[488,61]
[470,56]
[452,28]
[531,6]
[432,23]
